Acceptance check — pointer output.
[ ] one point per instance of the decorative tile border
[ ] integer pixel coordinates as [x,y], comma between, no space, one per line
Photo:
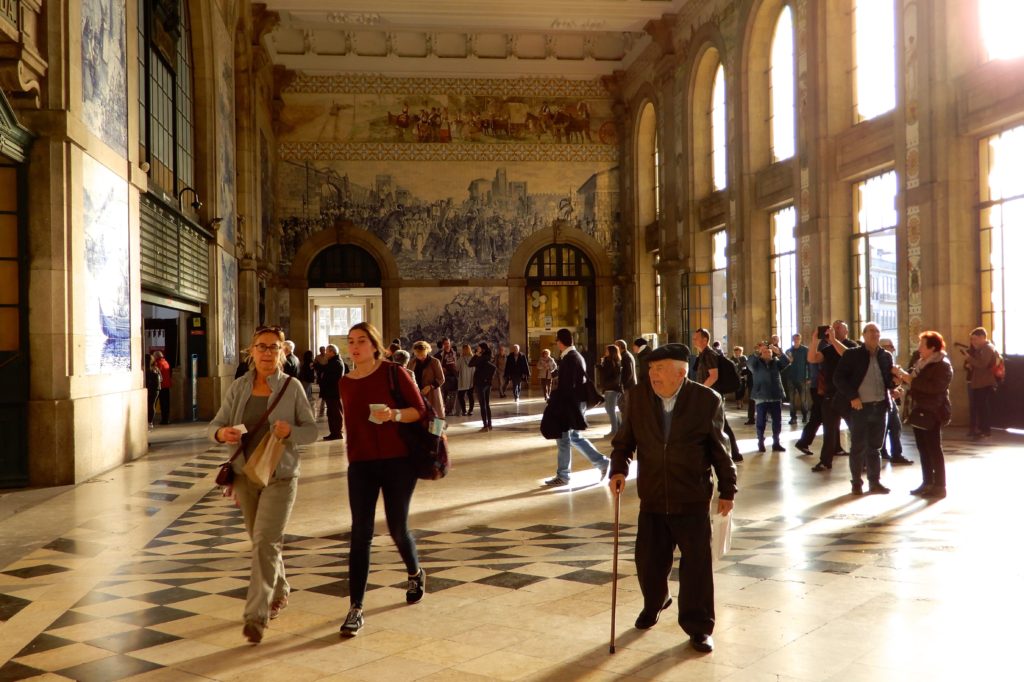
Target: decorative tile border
[392,151]
[495,87]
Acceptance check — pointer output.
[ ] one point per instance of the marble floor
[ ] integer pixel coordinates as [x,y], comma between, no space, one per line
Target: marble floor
[140,573]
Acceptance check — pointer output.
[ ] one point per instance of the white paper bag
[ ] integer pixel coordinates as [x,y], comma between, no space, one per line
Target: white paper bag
[264,460]
[721,534]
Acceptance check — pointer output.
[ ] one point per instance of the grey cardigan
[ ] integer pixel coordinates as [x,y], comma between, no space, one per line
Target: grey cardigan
[293,408]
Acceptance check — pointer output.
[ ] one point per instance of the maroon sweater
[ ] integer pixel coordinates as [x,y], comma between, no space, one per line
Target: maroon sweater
[366,440]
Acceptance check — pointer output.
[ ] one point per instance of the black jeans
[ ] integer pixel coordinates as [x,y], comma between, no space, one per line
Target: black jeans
[981,413]
[396,478]
[483,397]
[830,418]
[464,396]
[733,445]
[933,462]
[165,405]
[334,415]
[151,394]
[657,537]
[450,389]
[811,427]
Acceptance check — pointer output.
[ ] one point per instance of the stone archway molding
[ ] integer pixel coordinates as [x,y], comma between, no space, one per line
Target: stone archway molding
[560,233]
[343,232]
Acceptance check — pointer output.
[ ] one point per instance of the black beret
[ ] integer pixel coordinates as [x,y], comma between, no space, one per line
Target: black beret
[670,351]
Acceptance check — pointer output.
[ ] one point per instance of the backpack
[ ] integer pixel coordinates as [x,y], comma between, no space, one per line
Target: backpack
[999,369]
[728,377]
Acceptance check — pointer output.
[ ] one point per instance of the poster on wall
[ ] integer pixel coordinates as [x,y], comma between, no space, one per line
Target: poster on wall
[107,291]
[104,72]
[463,314]
[225,65]
[442,219]
[229,307]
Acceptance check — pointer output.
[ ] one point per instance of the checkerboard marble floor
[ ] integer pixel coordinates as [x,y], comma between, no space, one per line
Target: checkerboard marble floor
[141,573]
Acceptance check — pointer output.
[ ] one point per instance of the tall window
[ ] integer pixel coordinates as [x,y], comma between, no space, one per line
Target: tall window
[166,131]
[783,89]
[783,266]
[1000,28]
[1002,239]
[719,288]
[719,165]
[658,303]
[874,61]
[656,162]
[874,256]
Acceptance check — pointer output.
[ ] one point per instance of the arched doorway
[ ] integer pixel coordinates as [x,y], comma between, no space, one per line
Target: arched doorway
[561,292]
[344,283]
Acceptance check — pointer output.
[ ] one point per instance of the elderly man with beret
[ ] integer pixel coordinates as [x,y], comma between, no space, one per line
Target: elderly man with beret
[674,428]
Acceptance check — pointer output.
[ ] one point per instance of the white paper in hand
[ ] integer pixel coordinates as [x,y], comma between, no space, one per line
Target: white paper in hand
[721,534]
[241,428]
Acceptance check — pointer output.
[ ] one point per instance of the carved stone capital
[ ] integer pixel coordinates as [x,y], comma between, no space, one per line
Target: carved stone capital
[660,31]
[22,67]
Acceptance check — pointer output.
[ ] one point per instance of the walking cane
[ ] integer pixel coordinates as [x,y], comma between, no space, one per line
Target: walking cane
[615,570]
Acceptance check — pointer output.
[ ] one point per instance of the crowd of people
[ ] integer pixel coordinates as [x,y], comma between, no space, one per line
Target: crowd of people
[667,416]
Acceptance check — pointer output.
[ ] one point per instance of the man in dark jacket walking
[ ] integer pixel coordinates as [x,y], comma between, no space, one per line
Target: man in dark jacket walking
[569,399]
[291,364]
[517,370]
[675,430]
[863,380]
[330,393]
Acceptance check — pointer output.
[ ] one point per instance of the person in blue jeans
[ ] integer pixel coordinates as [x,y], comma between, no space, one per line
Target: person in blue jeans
[569,400]
[863,380]
[766,367]
[609,378]
[894,426]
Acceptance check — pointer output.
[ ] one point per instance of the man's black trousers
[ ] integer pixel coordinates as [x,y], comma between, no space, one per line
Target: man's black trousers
[657,537]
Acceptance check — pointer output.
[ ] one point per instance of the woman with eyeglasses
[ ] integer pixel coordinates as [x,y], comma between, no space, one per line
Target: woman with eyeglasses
[378,463]
[265,510]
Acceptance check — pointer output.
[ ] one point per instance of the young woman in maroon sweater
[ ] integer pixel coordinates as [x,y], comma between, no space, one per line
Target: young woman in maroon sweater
[377,462]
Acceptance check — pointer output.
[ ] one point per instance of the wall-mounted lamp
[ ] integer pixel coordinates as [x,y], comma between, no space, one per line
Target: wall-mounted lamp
[196,204]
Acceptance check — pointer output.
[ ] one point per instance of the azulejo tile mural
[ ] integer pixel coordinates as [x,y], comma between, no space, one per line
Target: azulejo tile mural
[463,314]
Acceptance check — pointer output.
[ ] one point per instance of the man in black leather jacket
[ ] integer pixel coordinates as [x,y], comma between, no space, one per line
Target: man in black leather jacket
[863,380]
[675,429]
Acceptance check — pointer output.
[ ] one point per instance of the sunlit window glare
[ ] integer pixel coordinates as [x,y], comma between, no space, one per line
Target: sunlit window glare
[1001,21]
[784,273]
[657,178]
[1002,225]
[875,255]
[719,288]
[875,57]
[781,77]
[718,133]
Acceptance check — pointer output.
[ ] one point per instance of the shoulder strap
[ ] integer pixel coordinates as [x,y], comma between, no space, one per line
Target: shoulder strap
[263,419]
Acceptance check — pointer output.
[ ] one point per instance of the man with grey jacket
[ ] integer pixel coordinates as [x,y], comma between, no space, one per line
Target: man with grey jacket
[675,429]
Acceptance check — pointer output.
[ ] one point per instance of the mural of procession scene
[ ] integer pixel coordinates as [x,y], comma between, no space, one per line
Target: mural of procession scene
[447,219]
[462,314]
[107,294]
[229,307]
[446,118]
[104,71]
[225,131]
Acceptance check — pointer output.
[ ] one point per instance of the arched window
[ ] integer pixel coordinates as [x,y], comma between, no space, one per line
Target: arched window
[1000,28]
[781,79]
[166,118]
[719,164]
[874,61]
[648,167]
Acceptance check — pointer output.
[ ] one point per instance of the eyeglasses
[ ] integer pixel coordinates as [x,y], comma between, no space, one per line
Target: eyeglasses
[264,348]
[260,330]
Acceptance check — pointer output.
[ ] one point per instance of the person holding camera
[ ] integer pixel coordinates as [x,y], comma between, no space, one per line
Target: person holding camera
[981,358]
[766,367]
[833,345]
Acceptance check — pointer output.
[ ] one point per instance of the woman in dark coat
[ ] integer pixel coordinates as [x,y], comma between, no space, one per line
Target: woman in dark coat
[483,374]
[930,410]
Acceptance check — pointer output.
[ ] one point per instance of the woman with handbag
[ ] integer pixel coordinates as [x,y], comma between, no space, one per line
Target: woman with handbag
[429,376]
[265,400]
[378,463]
[483,374]
[929,392]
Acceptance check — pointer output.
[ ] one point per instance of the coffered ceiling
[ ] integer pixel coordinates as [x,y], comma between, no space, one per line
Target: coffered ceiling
[568,38]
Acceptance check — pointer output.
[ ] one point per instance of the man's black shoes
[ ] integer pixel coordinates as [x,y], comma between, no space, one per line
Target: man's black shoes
[646,621]
[702,643]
